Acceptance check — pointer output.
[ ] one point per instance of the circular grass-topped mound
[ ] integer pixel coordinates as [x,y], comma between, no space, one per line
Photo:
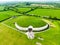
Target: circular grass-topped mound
[26,21]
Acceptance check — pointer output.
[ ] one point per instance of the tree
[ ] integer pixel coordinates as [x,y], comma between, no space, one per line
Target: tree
[27,3]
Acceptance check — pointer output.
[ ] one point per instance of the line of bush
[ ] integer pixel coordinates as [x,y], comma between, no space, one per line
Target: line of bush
[52,18]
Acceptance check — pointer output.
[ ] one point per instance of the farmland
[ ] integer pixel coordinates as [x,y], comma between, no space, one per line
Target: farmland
[10,35]
[46,12]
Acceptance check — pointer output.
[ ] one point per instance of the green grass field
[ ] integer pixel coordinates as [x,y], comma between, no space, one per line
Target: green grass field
[28,20]
[46,12]
[9,35]
[2,7]
[7,14]
[23,9]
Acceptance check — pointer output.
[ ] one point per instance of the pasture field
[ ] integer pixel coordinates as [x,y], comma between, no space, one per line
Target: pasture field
[2,7]
[7,14]
[46,12]
[10,35]
[2,17]
[23,9]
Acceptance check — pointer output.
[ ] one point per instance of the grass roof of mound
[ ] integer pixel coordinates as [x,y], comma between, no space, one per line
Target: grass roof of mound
[26,21]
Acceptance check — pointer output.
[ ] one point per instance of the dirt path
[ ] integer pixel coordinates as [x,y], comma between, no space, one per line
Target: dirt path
[49,22]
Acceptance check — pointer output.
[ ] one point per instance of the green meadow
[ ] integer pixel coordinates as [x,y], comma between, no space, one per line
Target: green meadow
[46,12]
[10,35]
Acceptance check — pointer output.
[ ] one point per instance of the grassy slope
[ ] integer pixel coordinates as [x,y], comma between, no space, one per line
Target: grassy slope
[1,7]
[6,14]
[2,17]
[27,20]
[46,12]
[52,35]
[9,36]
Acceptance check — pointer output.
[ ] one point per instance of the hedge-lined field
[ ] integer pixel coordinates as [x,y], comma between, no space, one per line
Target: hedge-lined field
[9,12]
[6,14]
[10,36]
[23,9]
[46,12]
[2,17]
